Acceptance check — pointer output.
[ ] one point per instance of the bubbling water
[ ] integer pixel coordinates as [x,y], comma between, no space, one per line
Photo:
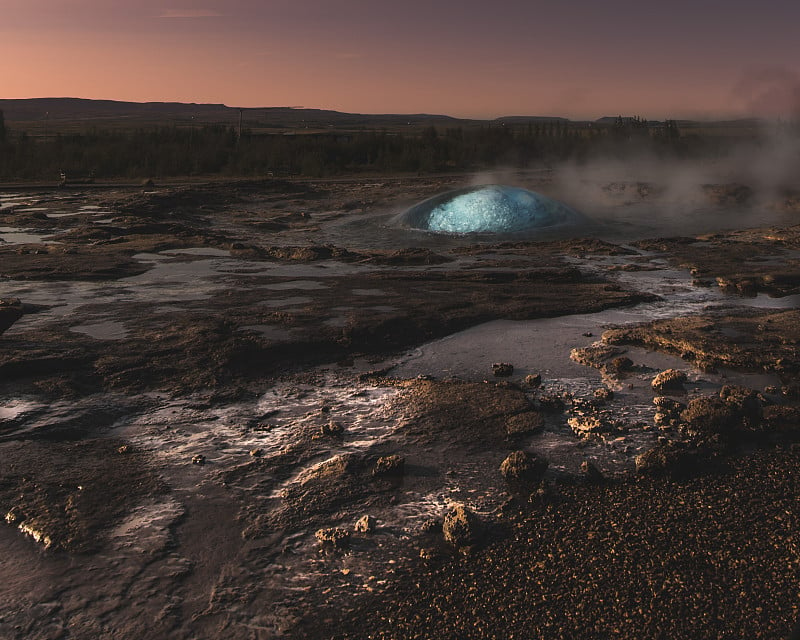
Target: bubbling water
[489,209]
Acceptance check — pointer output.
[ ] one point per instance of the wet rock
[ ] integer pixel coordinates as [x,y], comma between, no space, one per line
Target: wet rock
[522,468]
[746,288]
[365,524]
[668,413]
[709,415]
[199,459]
[587,426]
[736,409]
[669,380]
[550,402]
[782,419]
[393,465]
[473,414]
[603,394]
[667,459]
[726,285]
[748,403]
[592,474]
[524,424]
[622,364]
[328,472]
[10,312]
[256,453]
[69,495]
[333,537]
[502,369]
[332,428]
[462,527]
[533,380]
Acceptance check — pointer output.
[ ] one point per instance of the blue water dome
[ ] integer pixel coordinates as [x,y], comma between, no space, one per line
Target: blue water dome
[489,209]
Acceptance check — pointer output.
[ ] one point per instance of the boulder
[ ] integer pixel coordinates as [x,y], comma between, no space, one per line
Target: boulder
[332,428]
[365,524]
[392,465]
[533,380]
[524,423]
[669,380]
[502,369]
[523,468]
[462,527]
[334,537]
[708,416]
[667,459]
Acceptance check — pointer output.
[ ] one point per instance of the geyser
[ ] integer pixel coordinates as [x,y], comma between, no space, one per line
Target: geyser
[489,209]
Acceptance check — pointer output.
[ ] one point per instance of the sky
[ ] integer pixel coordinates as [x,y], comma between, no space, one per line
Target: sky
[574,58]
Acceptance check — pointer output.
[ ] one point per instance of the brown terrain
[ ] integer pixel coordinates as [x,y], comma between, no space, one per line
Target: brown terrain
[264,409]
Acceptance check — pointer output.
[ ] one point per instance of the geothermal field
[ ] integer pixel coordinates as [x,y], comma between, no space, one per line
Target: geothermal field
[548,404]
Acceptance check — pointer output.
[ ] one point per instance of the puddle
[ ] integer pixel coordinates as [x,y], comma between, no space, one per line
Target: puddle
[199,251]
[287,302]
[368,292]
[107,330]
[16,235]
[16,409]
[764,301]
[304,285]
[269,331]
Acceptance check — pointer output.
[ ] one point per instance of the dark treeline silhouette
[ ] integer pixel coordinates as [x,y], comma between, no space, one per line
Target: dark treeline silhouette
[168,151]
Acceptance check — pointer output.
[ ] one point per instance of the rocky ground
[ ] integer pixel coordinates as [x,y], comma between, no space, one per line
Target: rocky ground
[265,410]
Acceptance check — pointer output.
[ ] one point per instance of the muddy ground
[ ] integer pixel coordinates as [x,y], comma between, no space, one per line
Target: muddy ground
[267,410]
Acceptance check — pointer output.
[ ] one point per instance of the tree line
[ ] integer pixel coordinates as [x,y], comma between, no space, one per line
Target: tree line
[171,151]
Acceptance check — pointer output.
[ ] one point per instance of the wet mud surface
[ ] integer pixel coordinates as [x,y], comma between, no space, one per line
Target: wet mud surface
[265,410]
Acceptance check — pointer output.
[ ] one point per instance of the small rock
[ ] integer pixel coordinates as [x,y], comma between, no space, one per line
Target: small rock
[502,369]
[669,380]
[428,554]
[461,527]
[587,334]
[365,524]
[592,473]
[586,426]
[123,449]
[550,402]
[534,380]
[256,453]
[332,428]
[604,394]
[199,459]
[393,465]
[335,537]
[620,365]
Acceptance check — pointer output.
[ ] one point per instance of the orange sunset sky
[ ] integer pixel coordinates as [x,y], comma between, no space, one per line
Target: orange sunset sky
[578,58]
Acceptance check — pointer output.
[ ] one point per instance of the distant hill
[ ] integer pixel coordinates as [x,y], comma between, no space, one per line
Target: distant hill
[75,110]
[529,119]
[78,114]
